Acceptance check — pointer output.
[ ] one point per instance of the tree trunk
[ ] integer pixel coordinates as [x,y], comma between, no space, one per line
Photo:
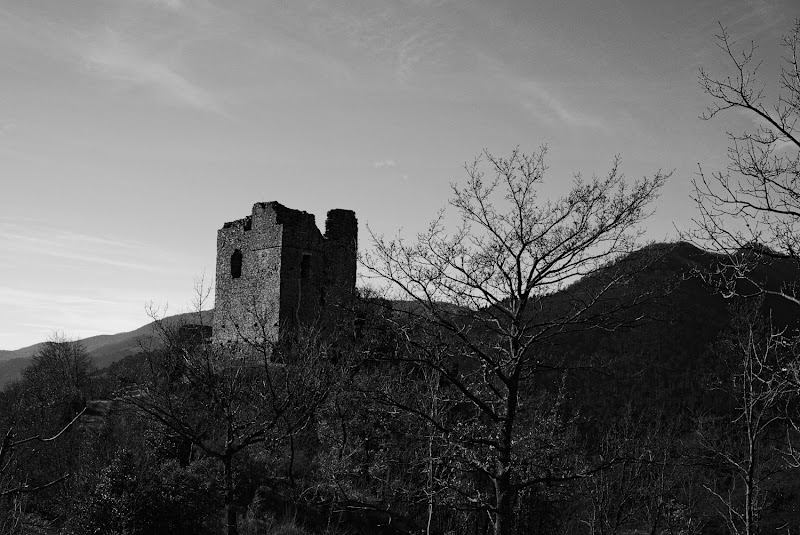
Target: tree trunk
[230,508]
[502,518]
[503,492]
[290,468]
[502,483]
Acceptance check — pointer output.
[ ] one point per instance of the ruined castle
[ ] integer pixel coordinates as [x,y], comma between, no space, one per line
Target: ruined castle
[276,271]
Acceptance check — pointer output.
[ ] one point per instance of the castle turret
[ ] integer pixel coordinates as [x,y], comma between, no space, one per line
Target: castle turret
[341,233]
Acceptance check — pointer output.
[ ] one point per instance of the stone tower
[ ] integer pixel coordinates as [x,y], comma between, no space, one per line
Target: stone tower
[275,271]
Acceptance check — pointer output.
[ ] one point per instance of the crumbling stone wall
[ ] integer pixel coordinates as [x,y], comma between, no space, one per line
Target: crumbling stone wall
[275,271]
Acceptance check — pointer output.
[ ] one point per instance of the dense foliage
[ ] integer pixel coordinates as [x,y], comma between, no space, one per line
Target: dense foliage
[658,429]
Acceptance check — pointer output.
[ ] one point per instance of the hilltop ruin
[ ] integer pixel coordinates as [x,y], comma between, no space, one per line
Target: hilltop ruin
[276,271]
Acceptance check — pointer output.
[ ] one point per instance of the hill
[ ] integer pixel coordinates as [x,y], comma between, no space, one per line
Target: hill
[21,353]
[671,344]
[665,362]
[646,342]
[11,369]
[104,349]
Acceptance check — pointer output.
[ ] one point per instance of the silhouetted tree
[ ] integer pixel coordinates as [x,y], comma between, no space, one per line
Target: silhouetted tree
[58,376]
[750,213]
[482,317]
[748,445]
[36,450]
[225,402]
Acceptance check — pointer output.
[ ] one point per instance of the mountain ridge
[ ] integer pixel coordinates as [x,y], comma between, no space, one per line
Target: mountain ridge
[104,349]
[700,311]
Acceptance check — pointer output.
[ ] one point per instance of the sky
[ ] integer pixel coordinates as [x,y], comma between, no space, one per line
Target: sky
[131,130]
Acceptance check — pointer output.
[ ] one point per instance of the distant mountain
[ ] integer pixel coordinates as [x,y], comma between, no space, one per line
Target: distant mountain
[12,369]
[663,357]
[103,349]
[666,362]
[21,353]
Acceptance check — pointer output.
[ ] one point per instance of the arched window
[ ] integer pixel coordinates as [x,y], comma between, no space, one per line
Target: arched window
[236,264]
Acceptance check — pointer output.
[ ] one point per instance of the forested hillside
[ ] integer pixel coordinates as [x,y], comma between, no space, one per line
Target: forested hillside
[103,349]
[632,417]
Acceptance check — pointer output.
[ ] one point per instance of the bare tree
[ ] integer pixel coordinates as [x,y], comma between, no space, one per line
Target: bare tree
[13,482]
[488,298]
[50,401]
[225,403]
[648,490]
[59,375]
[750,213]
[746,446]
[11,443]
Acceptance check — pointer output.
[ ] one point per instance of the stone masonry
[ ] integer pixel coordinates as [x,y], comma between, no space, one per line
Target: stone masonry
[276,271]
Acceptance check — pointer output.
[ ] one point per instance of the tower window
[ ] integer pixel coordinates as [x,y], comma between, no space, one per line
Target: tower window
[305,266]
[236,264]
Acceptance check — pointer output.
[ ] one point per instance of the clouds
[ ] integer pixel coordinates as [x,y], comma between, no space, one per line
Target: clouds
[175,5]
[545,105]
[84,284]
[40,313]
[415,50]
[554,109]
[759,16]
[120,101]
[35,243]
[402,38]
[390,165]
[112,57]
[384,163]
[19,298]
[144,45]
[152,47]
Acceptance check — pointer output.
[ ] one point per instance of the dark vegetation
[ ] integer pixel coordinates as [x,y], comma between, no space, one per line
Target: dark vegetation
[533,371]
[334,450]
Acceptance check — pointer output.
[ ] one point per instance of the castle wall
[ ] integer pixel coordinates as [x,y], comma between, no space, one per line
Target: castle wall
[301,266]
[341,250]
[290,272]
[248,306]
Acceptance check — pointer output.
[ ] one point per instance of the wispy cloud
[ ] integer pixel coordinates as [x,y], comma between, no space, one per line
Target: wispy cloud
[416,48]
[79,248]
[543,104]
[390,169]
[16,297]
[404,37]
[503,81]
[76,237]
[112,57]
[384,163]
[760,16]
[67,312]
[175,5]
[126,44]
